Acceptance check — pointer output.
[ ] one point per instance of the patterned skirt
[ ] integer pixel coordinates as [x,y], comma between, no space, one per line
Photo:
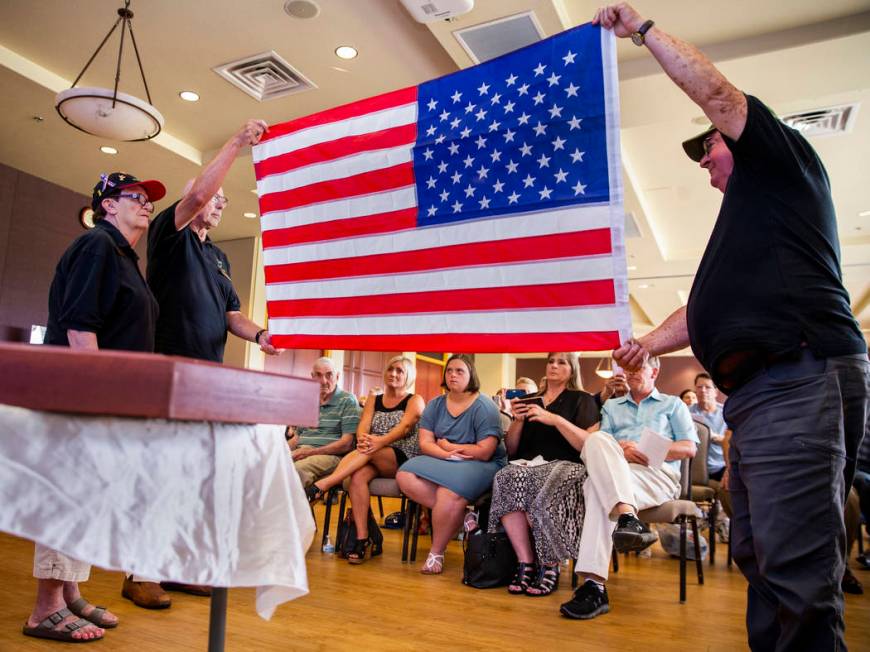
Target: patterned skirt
[551,495]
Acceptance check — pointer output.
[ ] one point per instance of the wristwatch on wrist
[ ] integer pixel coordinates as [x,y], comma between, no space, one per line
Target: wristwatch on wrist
[638,37]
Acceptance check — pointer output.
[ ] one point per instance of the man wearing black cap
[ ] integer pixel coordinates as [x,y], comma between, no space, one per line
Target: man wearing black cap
[769,318]
[190,275]
[98,300]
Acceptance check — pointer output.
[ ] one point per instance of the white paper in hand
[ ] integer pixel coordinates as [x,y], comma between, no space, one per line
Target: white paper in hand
[654,446]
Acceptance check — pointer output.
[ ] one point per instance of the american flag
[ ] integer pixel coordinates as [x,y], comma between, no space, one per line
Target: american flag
[481,211]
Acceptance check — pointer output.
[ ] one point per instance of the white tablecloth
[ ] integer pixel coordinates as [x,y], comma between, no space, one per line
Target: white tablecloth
[193,502]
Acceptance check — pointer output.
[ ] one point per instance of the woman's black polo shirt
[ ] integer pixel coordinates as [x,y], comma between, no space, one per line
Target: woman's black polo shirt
[98,288]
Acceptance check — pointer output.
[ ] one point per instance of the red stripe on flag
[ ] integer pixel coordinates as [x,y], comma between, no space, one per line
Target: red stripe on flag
[351,110]
[542,247]
[457,342]
[551,295]
[333,149]
[381,180]
[334,229]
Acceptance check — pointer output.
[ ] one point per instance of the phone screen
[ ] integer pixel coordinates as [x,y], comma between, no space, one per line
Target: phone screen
[514,393]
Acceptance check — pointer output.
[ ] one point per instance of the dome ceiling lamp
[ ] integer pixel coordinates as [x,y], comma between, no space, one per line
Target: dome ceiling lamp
[110,113]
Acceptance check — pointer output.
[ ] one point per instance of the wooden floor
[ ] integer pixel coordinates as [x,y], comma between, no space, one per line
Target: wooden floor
[387,605]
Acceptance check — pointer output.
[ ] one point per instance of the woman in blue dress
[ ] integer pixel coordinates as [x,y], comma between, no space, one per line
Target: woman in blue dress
[461,451]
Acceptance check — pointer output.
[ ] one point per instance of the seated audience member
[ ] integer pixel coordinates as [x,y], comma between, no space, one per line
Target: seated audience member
[385,439]
[709,412]
[317,451]
[614,387]
[689,397]
[862,487]
[548,498]
[461,451]
[620,482]
[97,300]
[852,517]
[504,405]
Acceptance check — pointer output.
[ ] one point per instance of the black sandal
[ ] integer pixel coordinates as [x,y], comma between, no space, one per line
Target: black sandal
[314,493]
[547,582]
[523,577]
[358,554]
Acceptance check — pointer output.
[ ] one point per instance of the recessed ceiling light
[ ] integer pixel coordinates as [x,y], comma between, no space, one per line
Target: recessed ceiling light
[105,149]
[632,268]
[643,286]
[864,214]
[254,190]
[251,215]
[345,52]
[189,96]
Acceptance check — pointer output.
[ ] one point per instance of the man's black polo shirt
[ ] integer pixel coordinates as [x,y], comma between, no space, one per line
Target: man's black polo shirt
[98,288]
[770,278]
[191,280]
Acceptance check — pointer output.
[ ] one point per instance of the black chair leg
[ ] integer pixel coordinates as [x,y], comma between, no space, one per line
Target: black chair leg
[573,573]
[730,535]
[682,559]
[408,516]
[418,508]
[614,557]
[381,507]
[326,518]
[342,506]
[713,516]
[698,562]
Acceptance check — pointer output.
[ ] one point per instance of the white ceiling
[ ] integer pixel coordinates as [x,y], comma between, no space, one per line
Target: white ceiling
[795,56]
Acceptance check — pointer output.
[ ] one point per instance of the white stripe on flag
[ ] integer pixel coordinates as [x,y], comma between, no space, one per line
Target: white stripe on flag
[381,202]
[370,122]
[520,225]
[560,320]
[536,273]
[336,169]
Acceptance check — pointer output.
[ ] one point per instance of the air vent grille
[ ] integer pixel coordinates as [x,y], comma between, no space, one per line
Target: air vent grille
[823,122]
[493,39]
[264,76]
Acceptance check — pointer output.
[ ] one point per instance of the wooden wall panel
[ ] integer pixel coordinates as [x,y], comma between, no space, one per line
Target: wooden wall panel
[364,370]
[39,226]
[428,379]
[293,362]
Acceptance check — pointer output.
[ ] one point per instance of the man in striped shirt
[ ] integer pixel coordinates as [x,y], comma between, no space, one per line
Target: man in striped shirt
[317,451]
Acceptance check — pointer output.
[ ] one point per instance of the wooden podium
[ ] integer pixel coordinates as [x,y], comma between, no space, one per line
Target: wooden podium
[152,386]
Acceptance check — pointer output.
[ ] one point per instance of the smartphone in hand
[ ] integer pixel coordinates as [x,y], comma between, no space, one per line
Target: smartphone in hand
[531,400]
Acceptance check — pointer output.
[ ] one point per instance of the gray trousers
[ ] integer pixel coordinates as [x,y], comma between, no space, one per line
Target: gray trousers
[796,430]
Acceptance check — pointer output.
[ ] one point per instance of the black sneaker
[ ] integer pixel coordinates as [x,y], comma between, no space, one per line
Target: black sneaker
[589,601]
[631,535]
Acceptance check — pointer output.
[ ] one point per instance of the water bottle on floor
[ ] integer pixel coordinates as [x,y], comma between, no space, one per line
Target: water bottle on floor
[328,546]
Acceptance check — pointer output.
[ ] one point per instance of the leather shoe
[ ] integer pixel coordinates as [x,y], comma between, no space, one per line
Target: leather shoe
[192,589]
[148,595]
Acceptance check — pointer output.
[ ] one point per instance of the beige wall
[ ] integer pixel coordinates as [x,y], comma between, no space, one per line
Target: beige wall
[243,255]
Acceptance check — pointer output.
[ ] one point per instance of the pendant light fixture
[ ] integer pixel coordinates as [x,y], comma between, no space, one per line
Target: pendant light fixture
[110,113]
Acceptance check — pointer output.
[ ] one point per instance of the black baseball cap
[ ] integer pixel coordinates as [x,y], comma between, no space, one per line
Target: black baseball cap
[694,147]
[112,184]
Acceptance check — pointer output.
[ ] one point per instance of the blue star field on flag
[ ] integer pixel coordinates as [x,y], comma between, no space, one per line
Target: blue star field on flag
[523,132]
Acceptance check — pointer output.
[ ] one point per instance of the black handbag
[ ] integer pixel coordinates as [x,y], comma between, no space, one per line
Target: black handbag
[490,560]
[347,535]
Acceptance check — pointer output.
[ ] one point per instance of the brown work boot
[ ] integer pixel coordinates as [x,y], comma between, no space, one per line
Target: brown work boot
[192,589]
[146,594]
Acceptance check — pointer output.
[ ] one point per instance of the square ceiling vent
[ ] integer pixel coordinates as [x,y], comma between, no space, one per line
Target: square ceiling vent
[493,39]
[823,122]
[264,76]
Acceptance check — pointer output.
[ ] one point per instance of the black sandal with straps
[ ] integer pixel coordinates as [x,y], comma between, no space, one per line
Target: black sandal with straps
[523,577]
[314,493]
[546,583]
[358,554]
